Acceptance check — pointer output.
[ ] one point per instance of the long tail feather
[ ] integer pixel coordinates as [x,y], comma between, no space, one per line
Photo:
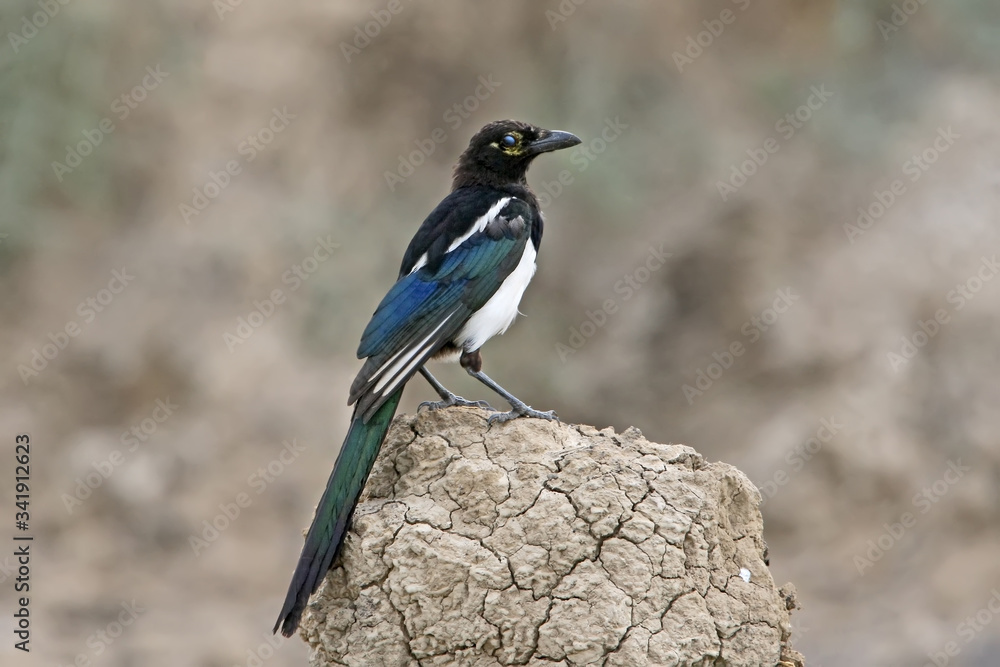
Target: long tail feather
[333,514]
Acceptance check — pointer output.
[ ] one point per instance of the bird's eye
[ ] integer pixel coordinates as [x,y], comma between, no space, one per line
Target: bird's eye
[509,140]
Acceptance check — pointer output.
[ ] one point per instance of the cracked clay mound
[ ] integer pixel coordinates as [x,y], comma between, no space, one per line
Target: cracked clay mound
[537,543]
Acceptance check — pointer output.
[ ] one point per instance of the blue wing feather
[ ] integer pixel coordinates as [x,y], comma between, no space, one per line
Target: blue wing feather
[426,293]
[435,300]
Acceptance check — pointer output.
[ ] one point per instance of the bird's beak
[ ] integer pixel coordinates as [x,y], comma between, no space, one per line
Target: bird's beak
[552,140]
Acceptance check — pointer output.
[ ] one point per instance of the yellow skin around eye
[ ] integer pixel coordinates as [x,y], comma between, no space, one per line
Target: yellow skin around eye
[511,150]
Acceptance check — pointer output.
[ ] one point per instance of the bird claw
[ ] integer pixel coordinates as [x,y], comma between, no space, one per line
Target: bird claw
[522,411]
[454,400]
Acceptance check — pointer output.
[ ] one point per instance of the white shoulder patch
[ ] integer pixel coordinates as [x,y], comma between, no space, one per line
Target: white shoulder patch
[420,262]
[478,226]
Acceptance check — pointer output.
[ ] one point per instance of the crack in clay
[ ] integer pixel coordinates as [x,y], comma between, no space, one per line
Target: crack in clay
[600,475]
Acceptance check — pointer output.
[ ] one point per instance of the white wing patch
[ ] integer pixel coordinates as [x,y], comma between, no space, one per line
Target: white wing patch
[382,369]
[499,312]
[405,364]
[420,262]
[478,226]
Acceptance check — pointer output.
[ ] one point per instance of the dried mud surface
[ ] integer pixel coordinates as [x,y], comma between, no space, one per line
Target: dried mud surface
[539,543]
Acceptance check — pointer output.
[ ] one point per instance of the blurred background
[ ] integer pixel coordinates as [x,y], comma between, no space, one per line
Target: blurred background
[776,244]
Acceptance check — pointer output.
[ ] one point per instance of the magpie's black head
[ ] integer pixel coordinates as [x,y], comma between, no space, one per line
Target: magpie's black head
[501,152]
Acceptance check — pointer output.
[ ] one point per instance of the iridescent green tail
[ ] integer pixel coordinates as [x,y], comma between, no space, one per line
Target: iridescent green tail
[333,514]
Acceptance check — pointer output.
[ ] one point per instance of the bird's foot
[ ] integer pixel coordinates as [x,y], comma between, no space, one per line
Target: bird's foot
[454,400]
[521,410]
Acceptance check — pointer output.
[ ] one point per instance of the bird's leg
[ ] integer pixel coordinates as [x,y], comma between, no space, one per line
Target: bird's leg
[472,362]
[448,399]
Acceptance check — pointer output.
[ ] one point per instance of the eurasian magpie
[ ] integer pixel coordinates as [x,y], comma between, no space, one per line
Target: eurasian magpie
[459,285]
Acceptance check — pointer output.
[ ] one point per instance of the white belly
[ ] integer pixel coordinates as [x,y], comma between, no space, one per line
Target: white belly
[498,313]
